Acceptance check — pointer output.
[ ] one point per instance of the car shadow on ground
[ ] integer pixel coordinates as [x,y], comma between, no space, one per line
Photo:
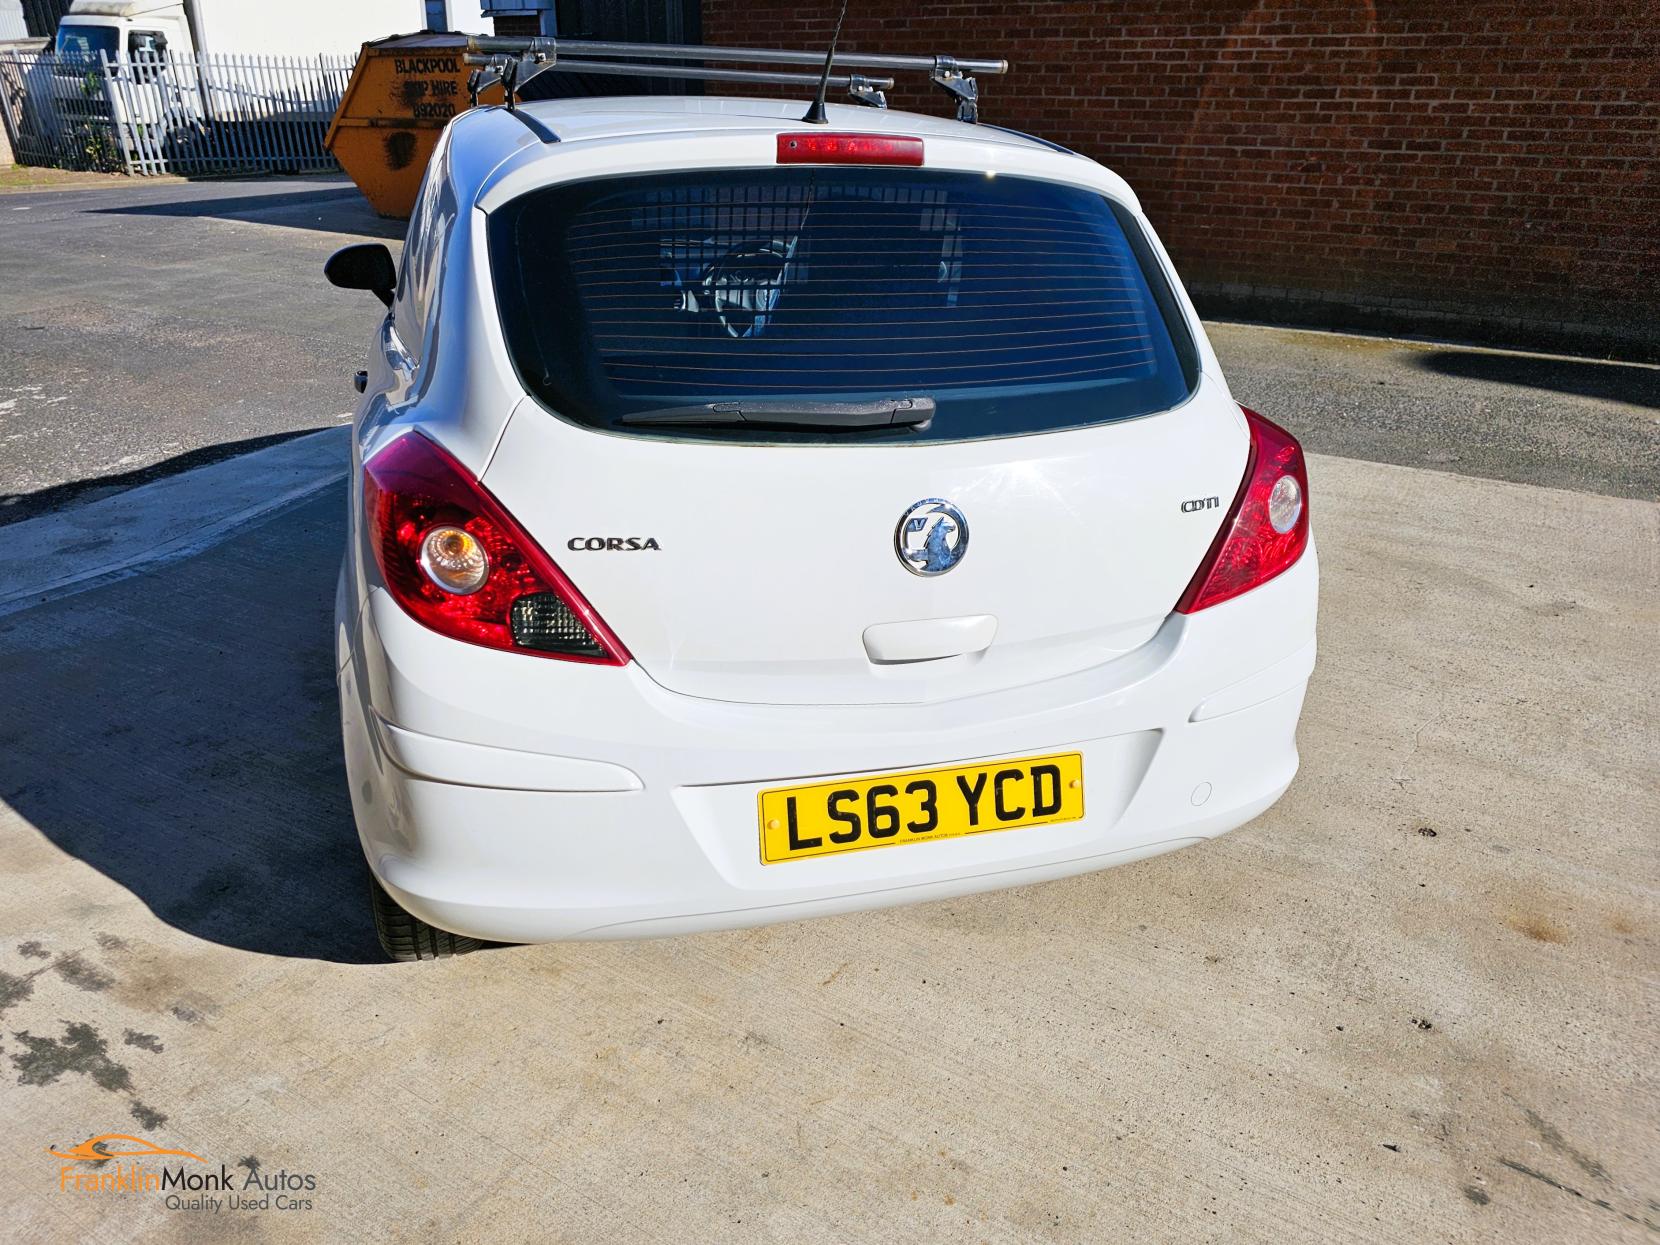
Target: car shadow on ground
[178,731]
[1609,382]
[15,507]
[330,211]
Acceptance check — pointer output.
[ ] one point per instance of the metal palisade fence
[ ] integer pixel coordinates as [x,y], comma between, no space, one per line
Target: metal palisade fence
[189,115]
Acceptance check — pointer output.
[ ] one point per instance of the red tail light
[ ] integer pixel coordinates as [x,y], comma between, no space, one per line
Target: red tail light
[506,593]
[848,149]
[1267,529]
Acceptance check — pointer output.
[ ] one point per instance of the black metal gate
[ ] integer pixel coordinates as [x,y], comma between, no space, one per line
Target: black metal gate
[40,17]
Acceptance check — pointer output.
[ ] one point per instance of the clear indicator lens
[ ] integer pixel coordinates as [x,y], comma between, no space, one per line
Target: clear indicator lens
[544,622]
[454,560]
[1285,504]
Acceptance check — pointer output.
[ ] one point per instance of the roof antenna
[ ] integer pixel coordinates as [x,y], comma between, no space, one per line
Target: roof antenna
[815,114]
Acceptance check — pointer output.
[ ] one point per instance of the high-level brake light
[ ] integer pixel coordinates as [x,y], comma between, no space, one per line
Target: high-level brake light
[849,149]
[1267,529]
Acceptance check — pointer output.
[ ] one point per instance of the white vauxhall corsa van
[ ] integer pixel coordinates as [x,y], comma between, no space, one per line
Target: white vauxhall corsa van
[754,520]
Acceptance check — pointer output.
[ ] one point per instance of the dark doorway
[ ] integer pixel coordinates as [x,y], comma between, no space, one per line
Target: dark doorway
[41,17]
[624,21]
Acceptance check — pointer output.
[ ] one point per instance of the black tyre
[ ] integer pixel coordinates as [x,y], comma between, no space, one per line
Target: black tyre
[404,937]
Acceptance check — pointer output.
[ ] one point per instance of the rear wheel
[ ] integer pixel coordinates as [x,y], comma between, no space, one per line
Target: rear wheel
[405,937]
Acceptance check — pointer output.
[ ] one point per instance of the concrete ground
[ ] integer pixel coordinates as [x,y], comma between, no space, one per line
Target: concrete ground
[1415,1000]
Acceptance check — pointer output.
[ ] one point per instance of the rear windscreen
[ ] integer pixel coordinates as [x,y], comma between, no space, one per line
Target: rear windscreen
[1016,305]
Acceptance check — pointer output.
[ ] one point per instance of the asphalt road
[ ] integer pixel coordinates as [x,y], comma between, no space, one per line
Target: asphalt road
[1414,1001]
[149,327]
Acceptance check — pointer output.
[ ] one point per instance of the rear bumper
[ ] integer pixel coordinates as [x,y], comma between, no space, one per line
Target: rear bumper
[522,800]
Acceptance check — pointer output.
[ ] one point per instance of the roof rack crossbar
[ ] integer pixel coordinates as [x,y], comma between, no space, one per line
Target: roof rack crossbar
[854,83]
[955,75]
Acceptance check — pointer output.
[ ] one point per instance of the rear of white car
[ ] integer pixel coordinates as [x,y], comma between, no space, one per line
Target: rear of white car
[753,522]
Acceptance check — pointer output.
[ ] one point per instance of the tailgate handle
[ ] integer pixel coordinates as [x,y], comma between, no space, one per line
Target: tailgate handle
[929,639]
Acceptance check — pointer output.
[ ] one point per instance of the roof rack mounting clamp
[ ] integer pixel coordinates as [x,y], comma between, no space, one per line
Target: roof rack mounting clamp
[514,69]
[949,76]
[510,81]
[865,91]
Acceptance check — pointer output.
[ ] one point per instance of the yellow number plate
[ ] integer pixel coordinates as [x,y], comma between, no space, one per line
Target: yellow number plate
[885,811]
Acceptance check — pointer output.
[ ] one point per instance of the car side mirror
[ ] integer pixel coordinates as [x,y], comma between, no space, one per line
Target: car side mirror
[365,266]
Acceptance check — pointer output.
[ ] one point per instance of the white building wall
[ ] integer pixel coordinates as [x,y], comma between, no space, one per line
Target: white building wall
[11,21]
[467,16]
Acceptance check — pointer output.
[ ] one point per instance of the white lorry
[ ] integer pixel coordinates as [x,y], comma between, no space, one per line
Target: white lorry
[124,29]
[197,74]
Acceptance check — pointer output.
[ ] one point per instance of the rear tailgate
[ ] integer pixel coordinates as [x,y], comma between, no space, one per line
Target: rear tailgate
[772,563]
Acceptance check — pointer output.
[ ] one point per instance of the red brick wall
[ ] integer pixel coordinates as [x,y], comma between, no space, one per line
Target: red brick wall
[1461,167]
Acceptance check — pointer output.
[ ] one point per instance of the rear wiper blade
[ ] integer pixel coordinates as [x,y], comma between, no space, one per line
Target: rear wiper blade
[791,413]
